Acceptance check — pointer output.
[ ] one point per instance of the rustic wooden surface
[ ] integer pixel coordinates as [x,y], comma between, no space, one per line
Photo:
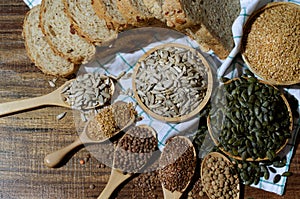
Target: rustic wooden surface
[27,137]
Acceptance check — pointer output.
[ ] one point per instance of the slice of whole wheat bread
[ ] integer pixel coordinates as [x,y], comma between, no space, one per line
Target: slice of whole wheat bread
[61,35]
[218,17]
[87,23]
[108,10]
[181,14]
[39,50]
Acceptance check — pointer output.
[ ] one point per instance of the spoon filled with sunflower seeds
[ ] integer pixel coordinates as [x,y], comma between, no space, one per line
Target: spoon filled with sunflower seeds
[219,177]
[177,162]
[133,153]
[86,91]
[110,121]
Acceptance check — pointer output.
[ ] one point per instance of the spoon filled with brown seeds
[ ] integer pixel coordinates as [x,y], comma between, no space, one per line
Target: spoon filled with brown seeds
[219,178]
[110,121]
[134,151]
[177,163]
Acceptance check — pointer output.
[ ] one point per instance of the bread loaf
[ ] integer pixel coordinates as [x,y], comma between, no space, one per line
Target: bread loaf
[155,9]
[61,34]
[181,14]
[87,23]
[108,10]
[39,50]
[135,12]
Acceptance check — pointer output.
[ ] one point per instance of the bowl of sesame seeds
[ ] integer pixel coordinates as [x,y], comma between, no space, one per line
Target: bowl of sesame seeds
[172,82]
[270,44]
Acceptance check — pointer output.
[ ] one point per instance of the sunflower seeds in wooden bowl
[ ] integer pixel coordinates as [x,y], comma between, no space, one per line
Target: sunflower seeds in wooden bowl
[270,44]
[172,82]
[250,120]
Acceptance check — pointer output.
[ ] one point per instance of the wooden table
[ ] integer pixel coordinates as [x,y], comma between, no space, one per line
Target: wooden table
[27,137]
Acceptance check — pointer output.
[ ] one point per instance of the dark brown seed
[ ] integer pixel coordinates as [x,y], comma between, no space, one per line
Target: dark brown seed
[276,178]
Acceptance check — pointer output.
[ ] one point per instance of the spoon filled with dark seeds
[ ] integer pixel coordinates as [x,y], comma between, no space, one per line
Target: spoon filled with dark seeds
[250,119]
[177,163]
[110,121]
[133,153]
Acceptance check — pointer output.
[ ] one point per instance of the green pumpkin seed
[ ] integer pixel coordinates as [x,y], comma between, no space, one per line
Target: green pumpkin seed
[277,178]
[266,174]
[272,170]
[287,174]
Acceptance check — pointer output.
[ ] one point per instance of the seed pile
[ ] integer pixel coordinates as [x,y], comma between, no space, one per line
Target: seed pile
[219,178]
[103,125]
[272,43]
[177,164]
[197,191]
[250,119]
[88,91]
[123,113]
[251,172]
[172,81]
[109,120]
[135,149]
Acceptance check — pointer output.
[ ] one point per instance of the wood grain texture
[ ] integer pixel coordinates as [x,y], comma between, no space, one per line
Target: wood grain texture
[27,137]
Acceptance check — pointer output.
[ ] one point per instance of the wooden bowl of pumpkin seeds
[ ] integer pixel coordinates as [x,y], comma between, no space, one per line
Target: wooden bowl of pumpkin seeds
[270,44]
[172,82]
[249,120]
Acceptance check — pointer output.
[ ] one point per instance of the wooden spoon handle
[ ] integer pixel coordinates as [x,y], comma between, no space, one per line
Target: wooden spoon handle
[53,159]
[53,98]
[116,178]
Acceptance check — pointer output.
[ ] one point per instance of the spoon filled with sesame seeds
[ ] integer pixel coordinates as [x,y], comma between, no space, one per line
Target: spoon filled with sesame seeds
[177,162]
[86,91]
[110,121]
[133,153]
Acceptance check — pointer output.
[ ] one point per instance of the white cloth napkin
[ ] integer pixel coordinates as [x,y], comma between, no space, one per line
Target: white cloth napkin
[126,58]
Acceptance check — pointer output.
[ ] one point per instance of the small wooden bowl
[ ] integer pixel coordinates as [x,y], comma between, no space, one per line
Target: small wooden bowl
[180,118]
[251,159]
[251,63]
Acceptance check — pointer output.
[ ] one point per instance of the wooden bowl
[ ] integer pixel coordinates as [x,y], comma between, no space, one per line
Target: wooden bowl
[177,118]
[274,43]
[215,140]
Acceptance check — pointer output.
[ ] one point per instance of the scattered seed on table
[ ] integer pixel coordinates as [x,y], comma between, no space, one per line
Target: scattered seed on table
[61,115]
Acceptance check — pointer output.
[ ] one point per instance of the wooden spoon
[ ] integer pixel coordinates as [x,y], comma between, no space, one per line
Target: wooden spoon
[53,159]
[177,194]
[55,98]
[204,164]
[117,176]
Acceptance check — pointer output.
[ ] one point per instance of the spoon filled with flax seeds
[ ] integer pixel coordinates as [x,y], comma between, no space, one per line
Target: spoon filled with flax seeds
[135,150]
[110,121]
[177,163]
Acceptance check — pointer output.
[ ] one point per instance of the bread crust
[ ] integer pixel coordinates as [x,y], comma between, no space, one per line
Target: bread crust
[176,16]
